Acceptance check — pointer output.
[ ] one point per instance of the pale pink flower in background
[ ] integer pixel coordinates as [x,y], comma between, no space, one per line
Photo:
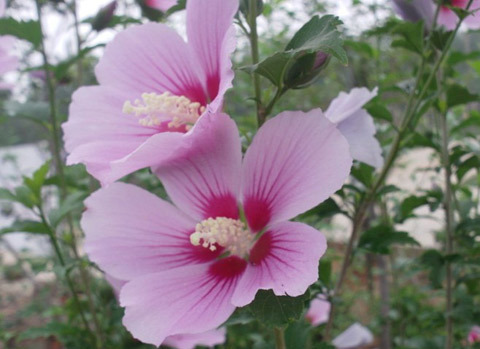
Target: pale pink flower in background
[449,19]
[8,62]
[154,87]
[188,266]
[162,5]
[474,335]
[415,10]
[357,125]
[319,311]
[180,341]
[354,337]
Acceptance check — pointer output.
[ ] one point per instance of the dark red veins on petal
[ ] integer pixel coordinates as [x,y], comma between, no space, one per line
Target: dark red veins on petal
[213,84]
[195,93]
[257,212]
[229,267]
[261,249]
[224,206]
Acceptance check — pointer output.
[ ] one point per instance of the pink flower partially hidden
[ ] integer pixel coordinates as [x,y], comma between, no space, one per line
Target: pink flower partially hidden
[357,125]
[154,87]
[474,335]
[180,341]
[161,5]
[8,62]
[319,311]
[449,19]
[188,266]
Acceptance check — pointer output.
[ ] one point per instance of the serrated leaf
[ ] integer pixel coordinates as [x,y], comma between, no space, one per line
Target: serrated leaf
[411,34]
[25,30]
[379,239]
[317,35]
[320,34]
[37,180]
[458,95]
[275,311]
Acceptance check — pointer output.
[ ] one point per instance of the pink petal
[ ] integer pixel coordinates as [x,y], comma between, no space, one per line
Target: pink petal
[190,341]
[111,144]
[212,35]
[473,21]
[296,161]
[356,336]
[130,232]
[447,18]
[151,58]
[162,5]
[3,5]
[474,335]
[347,104]
[204,177]
[359,130]
[191,299]
[319,311]
[284,259]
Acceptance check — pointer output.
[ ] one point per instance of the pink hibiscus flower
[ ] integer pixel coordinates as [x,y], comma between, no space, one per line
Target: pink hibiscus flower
[162,5]
[188,266]
[319,311]
[415,10]
[449,19]
[153,88]
[474,335]
[8,62]
[357,125]
[180,341]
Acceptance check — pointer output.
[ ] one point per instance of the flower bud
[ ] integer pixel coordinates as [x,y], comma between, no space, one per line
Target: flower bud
[305,70]
[104,16]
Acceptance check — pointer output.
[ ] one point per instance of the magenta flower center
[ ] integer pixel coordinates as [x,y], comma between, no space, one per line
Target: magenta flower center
[165,109]
[226,232]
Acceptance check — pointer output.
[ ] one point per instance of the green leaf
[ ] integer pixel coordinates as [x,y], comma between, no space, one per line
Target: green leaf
[433,260]
[379,239]
[25,226]
[37,180]
[25,196]
[379,111]
[320,34]
[73,202]
[472,123]
[458,95]
[273,67]
[61,69]
[325,271]
[326,209]
[457,57]
[411,36]
[6,194]
[272,310]
[25,30]
[317,35]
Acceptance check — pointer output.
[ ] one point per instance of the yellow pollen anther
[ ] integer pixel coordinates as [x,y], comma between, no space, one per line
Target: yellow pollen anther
[154,109]
[225,232]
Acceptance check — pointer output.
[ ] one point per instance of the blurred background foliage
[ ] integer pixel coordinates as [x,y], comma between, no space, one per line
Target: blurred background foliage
[396,285]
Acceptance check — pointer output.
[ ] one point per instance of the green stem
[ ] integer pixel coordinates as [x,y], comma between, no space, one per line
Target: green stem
[449,222]
[280,338]
[56,152]
[394,151]
[252,22]
[61,259]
